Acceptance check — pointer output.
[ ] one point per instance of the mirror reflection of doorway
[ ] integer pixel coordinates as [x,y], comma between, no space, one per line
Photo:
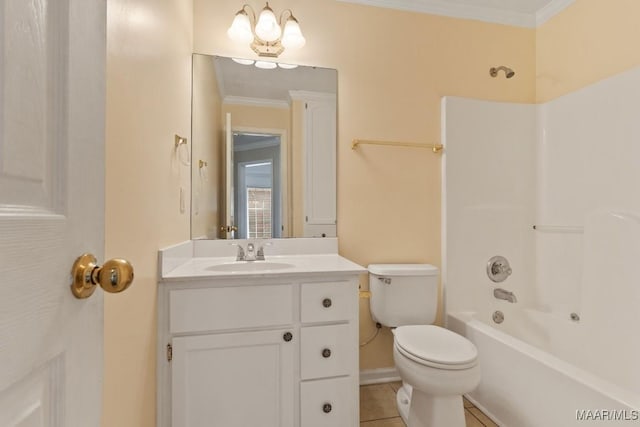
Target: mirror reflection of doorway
[257,194]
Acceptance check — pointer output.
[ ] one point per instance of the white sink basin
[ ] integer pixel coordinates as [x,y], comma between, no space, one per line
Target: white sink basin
[242,266]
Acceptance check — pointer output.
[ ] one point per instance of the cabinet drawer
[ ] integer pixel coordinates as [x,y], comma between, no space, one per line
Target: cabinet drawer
[328,403]
[326,302]
[210,309]
[325,351]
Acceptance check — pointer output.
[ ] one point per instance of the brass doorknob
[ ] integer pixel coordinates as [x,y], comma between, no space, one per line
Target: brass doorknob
[114,276]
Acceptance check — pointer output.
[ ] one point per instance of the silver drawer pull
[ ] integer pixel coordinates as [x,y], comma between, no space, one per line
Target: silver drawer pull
[326,303]
[326,408]
[326,353]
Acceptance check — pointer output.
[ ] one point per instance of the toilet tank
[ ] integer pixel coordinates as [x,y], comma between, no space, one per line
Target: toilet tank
[403,294]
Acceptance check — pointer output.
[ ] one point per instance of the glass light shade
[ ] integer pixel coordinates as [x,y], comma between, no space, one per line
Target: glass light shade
[266,65]
[243,61]
[292,37]
[267,27]
[240,29]
[287,66]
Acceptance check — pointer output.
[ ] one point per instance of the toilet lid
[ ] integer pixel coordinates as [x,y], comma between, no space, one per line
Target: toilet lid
[435,346]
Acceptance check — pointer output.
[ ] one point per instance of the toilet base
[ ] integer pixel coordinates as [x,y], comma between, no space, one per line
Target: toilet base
[433,411]
[403,398]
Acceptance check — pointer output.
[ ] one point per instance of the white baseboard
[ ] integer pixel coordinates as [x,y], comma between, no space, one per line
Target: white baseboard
[378,376]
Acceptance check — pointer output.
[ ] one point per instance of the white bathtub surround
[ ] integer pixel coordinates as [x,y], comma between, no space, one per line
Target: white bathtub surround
[278,336]
[488,198]
[571,167]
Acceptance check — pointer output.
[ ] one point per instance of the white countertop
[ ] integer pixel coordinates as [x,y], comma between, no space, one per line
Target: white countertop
[283,258]
[285,266]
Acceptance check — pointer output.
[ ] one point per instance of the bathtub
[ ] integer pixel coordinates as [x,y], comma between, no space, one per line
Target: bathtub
[525,384]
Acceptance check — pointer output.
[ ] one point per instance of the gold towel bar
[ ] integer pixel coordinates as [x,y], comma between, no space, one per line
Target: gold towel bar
[436,148]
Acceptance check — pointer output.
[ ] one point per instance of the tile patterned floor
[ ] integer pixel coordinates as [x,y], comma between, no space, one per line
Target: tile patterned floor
[378,408]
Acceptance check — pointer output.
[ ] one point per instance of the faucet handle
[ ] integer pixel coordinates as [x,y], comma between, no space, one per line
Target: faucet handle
[260,253]
[240,254]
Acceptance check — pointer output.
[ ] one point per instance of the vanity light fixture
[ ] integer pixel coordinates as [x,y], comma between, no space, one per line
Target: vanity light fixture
[265,34]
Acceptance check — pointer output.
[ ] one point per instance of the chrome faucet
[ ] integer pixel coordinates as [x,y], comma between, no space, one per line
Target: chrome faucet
[504,295]
[251,254]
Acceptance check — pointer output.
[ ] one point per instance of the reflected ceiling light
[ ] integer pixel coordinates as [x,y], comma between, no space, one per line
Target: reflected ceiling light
[243,61]
[266,35]
[265,65]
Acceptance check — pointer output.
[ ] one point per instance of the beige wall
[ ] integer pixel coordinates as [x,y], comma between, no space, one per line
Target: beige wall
[208,136]
[588,41]
[148,101]
[393,68]
[248,116]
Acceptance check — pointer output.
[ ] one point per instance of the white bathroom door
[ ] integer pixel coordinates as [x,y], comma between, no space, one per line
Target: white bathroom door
[52,96]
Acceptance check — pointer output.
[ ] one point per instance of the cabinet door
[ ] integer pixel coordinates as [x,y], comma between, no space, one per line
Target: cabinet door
[233,380]
[320,168]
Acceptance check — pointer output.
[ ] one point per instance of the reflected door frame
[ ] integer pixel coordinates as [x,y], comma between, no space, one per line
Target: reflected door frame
[285,176]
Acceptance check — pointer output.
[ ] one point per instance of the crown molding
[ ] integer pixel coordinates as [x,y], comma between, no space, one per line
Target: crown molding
[255,102]
[469,11]
[551,10]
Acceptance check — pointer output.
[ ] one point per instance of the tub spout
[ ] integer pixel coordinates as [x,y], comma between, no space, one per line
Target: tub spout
[504,295]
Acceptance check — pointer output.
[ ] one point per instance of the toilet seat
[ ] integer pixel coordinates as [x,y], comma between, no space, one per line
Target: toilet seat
[436,347]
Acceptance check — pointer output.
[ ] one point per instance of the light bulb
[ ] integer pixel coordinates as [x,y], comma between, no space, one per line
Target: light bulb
[267,27]
[266,65]
[287,66]
[243,61]
[292,37]
[240,29]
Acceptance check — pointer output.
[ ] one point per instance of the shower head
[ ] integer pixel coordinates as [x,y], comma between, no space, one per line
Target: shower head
[493,71]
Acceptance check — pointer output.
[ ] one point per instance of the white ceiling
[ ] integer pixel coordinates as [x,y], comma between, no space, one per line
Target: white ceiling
[521,13]
[249,82]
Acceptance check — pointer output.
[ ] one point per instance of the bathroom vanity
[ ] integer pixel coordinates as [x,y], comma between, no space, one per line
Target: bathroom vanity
[270,343]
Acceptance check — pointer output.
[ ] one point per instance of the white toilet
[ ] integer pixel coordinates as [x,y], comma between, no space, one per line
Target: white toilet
[437,366]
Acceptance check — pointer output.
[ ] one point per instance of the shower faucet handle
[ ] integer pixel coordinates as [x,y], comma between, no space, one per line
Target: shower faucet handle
[498,269]
[501,268]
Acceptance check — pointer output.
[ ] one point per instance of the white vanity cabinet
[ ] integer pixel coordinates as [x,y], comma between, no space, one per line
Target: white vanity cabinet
[268,352]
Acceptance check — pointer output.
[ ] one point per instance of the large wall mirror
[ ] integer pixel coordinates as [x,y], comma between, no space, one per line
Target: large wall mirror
[263,150]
